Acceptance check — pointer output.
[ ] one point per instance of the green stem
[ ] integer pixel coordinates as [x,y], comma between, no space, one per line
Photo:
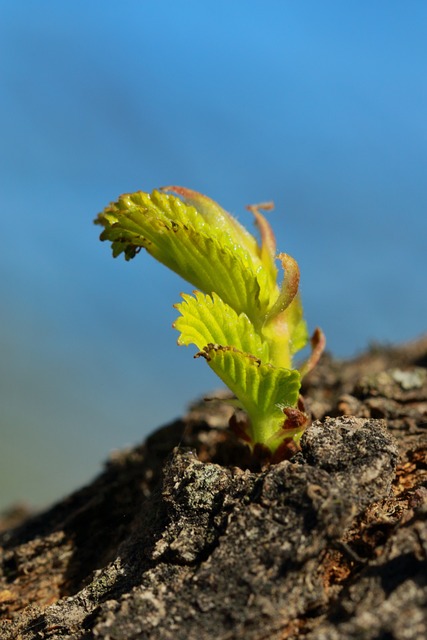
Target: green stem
[276,333]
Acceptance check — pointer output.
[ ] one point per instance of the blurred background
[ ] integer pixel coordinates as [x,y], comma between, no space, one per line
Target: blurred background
[319,106]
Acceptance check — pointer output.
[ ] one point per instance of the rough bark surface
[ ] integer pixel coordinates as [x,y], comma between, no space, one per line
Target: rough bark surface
[176,539]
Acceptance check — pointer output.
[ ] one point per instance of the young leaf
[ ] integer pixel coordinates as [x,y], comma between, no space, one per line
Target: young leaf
[263,390]
[284,325]
[207,319]
[178,236]
[215,216]
[289,287]
[268,241]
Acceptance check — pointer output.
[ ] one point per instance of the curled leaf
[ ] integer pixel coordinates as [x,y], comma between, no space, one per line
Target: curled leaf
[179,236]
[289,288]
[268,241]
[318,343]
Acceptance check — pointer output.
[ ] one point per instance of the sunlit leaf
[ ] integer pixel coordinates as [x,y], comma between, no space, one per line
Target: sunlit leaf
[263,390]
[178,236]
[216,217]
[207,319]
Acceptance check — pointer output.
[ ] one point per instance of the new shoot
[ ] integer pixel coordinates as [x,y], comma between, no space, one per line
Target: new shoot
[245,325]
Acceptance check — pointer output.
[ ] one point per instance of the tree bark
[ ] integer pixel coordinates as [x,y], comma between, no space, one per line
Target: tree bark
[179,539]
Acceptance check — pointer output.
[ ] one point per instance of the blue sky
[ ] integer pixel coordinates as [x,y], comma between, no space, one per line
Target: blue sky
[319,106]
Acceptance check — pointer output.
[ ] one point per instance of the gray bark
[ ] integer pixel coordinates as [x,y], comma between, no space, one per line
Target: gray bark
[178,539]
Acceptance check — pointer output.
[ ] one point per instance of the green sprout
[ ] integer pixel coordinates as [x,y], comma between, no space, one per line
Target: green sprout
[246,326]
